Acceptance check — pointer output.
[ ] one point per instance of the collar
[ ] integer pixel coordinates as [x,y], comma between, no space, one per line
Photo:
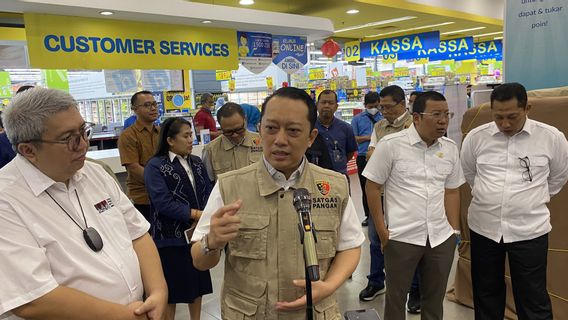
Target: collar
[228,145]
[37,180]
[140,127]
[527,127]
[414,138]
[271,180]
[203,108]
[172,156]
[398,122]
[330,125]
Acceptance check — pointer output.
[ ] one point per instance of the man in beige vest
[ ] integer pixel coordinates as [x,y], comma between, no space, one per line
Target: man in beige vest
[236,148]
[250,213]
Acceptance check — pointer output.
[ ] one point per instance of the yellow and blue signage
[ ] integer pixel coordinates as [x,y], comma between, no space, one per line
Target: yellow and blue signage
[352,51]
[255,50]
[402,44]
[289,52]
[482,50]
[87,43]
[443,52]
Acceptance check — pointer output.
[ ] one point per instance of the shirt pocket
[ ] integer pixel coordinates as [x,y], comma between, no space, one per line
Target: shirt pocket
[251,241]
[113,223]
[538,166]
[254,156]
[326,236]
[221,166]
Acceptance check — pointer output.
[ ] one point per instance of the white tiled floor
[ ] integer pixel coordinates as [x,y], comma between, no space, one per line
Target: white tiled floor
[347,295]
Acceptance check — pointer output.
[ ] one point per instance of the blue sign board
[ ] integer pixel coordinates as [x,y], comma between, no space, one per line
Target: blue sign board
[402,44]
[254,44]
[289,52]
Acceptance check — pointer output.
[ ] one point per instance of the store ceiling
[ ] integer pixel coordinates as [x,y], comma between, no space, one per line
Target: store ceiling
[378,11]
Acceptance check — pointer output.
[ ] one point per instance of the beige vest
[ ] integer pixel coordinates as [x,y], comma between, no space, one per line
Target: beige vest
[225,156]
[384,127]
[267,254]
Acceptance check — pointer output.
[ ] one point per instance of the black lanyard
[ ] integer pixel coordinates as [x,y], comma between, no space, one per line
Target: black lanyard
[90,234]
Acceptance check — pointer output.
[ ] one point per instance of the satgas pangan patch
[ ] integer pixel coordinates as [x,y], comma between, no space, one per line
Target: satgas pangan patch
[324,202]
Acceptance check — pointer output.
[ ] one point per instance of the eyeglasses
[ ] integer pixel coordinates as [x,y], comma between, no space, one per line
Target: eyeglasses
[439,115]
[388,107]
[526,164]
[228,133]
[73,140]
[148,105]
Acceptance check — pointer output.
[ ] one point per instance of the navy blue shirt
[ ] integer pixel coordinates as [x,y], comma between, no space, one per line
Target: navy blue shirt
[6,151]
[340,141]
[363,126]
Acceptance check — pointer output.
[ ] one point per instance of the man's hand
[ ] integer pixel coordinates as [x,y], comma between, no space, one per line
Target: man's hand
[224,225]
[384,234]
[154,306]
[320,291]
[134,306]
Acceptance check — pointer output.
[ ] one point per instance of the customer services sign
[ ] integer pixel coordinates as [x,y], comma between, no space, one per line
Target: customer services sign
[86,43]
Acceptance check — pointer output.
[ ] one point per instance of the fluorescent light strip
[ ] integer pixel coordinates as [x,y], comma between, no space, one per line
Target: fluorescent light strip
[463,30]
[378,23]
[487,34]
[411,29]
[497,38]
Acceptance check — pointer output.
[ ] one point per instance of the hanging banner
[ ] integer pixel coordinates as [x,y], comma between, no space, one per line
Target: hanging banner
[482,50]
[177,101]
[401,72]
[255,50]
[5,85]
[536,38]
[402,44]
[221,75]
[352,51]
[316,73]
[290,53]
[87,43]
[443,52]
[269,83]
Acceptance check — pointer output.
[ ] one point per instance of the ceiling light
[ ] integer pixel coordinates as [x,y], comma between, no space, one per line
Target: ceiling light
[463,30]
[487,34]
[352,11]
[497,38]
[246,2]
[411,29]
[106,13]
[378,23]
[206,21]
[316,52]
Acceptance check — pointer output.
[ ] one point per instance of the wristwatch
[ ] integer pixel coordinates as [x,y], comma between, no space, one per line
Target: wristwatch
[205,250]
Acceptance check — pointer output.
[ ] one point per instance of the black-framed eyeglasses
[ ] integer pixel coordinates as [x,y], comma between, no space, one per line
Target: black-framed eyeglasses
[148,105]
[238,131]
[73,140]
[439,115]
[526,164]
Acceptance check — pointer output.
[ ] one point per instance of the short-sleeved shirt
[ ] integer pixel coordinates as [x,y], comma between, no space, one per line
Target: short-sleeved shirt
[363,126]
[340,141]
[137,144]
[204,118]
[415,177]
[42,248]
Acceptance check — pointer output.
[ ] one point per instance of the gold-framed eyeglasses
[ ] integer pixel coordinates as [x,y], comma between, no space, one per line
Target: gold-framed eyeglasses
[148,105]
[74,139]
[439,115]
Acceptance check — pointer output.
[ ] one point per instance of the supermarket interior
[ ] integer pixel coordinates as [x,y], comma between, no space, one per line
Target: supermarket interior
[102,52]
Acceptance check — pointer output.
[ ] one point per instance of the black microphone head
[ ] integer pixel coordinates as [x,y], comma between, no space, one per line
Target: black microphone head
[302,199]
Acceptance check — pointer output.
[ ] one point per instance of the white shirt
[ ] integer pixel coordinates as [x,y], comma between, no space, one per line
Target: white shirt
[41,248]
[415,177]
[350,232]
[184,164]
[505,204]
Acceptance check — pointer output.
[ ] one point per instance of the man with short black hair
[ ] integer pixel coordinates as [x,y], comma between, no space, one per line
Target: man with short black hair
[136,145]
[420,172]
[337,133]
[236,148]
[514,165]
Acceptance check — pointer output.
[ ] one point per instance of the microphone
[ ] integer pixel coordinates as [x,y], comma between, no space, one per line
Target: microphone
[303,204]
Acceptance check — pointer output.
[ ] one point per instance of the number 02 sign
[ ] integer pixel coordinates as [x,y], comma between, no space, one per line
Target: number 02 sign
[352,51]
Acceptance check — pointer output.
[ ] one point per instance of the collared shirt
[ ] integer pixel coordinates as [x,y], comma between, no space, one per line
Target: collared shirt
[229,156]
[415,177]
[340,141]
[350,233]
[184,164]
[506,204]
[363,126]
[41,248]
[204,118]
[137,144]
[385,127]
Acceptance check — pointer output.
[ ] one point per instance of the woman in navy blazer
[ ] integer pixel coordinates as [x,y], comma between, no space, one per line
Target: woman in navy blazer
[179,187]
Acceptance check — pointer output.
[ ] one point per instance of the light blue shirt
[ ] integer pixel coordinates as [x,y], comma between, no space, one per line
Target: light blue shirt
[363,126]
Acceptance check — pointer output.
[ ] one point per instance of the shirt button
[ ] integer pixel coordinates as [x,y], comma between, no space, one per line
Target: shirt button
[282,196]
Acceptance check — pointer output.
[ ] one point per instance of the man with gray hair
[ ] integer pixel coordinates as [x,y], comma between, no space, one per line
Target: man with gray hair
[72,245]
